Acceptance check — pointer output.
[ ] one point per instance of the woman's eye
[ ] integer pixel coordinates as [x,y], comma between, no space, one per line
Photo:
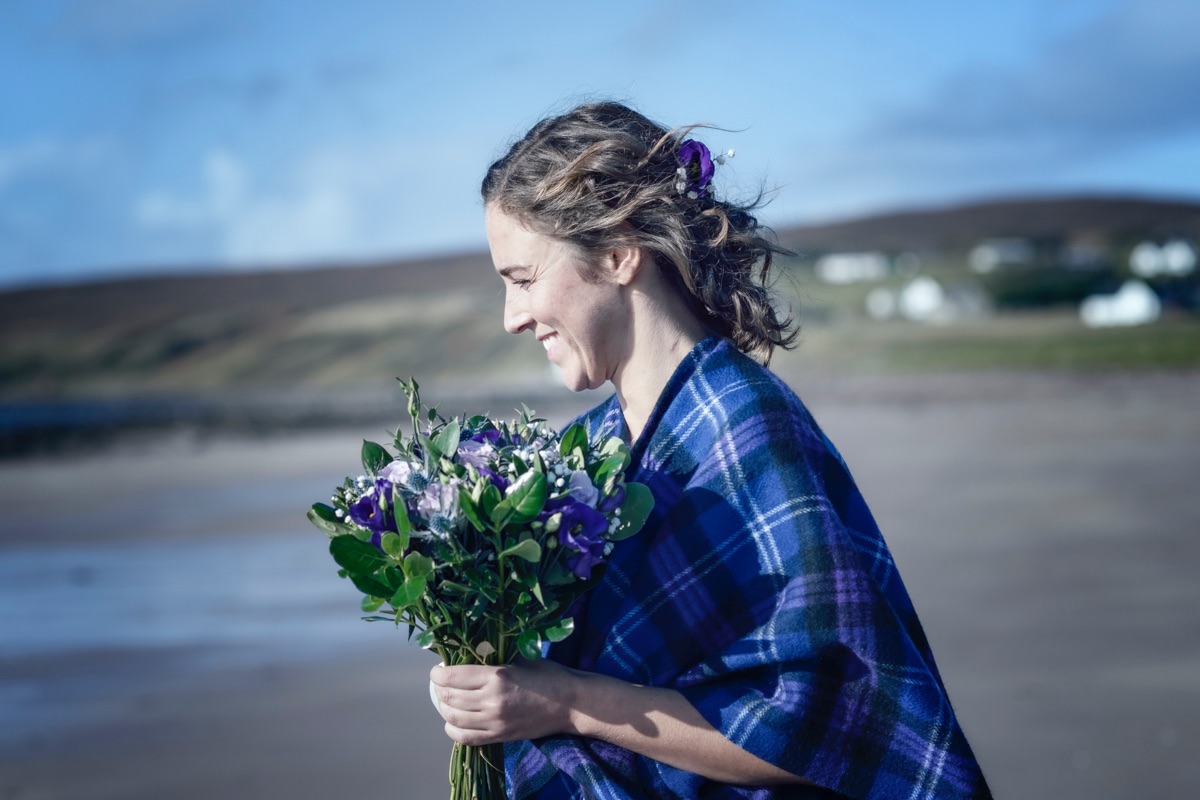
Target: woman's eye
[522,283]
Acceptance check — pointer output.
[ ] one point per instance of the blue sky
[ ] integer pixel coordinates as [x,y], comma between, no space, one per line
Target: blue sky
[154,135]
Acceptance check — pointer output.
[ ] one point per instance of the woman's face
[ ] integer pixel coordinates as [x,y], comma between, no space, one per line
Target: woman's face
[582,324]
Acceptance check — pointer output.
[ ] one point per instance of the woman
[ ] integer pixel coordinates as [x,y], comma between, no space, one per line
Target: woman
[754,640]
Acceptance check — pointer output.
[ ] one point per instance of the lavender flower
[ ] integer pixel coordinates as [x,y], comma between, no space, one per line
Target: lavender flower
[406,474]
[582,529]
[438,504]
[580,487]
[475,453]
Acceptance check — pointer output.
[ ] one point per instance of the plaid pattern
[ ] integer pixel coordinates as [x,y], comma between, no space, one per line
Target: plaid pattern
[762,590]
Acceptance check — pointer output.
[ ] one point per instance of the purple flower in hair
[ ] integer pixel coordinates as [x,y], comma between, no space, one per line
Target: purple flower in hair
[695,168]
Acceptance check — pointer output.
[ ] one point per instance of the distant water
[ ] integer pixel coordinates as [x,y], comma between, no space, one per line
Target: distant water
[271,593]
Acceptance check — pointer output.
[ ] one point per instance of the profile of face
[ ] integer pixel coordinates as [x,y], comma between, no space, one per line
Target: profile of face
[583,324]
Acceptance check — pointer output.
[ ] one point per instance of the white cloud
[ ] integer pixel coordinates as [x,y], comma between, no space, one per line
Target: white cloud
[361,201]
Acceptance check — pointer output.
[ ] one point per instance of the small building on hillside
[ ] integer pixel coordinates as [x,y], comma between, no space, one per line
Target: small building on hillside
[843,268]
[991,255]
[1174,258]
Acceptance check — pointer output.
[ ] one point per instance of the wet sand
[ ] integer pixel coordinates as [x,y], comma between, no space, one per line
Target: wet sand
[170,625]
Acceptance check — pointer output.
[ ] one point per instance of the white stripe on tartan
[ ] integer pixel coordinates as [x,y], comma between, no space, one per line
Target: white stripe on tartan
[936,748]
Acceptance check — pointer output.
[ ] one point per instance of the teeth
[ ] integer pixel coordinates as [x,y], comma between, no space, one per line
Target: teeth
[546,341]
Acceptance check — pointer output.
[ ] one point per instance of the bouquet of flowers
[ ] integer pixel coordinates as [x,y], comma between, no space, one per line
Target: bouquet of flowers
[478,535]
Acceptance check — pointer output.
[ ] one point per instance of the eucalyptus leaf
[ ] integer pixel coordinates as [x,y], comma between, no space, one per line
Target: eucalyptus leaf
[374,457]
[573,437]
[447,441]
[358,557]
[394,544]
[427,639]
[330,529]
[634,511]
[470,509]
[418,566]
[524,501]
[369,586]
[489,500]
[556,633]
[404,525]
[613,446]
[409,593]
[370,603]
[529,550]
[529,644]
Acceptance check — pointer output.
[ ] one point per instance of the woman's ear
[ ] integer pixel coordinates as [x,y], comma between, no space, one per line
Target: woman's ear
[625,263]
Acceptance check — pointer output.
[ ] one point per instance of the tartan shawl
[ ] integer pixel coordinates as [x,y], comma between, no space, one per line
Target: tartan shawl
[761,590]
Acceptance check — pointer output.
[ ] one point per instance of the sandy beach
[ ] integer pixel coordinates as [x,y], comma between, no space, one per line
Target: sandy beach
[171,626]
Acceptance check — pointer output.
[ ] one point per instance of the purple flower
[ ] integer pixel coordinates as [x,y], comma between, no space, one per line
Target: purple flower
[499,481]
[367,510]
[475,453]
[490,436]
[697,164]
[582,530]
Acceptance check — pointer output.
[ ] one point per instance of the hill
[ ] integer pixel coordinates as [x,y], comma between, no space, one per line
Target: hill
[961,226]
[340,326]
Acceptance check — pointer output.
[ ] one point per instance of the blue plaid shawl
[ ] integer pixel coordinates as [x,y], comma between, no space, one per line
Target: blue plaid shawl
[762,590]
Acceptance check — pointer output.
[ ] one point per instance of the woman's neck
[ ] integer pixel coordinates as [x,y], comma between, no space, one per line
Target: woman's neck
[664,331]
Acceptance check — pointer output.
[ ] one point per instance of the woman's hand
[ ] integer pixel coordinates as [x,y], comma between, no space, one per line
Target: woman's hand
[531,699]
[486,705]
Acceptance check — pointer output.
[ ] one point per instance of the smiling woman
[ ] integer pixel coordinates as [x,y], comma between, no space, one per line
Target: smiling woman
[755,640]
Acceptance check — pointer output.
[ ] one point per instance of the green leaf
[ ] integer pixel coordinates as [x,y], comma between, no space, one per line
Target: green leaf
[409,593]
[374,457]
[529,550]
[370,604]
[358,557]
[572,437]
[529,644]
[453,589]
[418,566]
[607,473]
[394,544]
[558,575]
[556,633]
[634,511]
[325,526]
[446,441]
[369,586]
[470,510]
[523,503]
[489,500]
[613,446]
[404,525]
[537,592]
[427,639]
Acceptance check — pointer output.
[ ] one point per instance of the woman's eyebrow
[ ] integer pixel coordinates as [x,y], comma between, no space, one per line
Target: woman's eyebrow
[506,272]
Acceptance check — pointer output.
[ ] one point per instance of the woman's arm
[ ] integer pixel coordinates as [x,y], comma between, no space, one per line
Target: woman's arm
[484,705]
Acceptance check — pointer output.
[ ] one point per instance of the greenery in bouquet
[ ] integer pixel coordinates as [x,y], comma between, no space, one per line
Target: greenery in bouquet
[478,535]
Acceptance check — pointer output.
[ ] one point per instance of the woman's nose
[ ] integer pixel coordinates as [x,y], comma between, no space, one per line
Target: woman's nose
[516,318]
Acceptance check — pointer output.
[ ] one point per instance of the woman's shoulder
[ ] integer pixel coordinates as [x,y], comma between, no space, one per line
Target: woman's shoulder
[739,389]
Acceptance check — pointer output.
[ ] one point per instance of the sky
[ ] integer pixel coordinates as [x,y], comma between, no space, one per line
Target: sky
[150,136]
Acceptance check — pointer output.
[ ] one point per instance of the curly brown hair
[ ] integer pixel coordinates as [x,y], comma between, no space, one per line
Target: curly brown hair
[602,175]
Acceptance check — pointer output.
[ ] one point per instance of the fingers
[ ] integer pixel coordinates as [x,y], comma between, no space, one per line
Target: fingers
[467,676]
